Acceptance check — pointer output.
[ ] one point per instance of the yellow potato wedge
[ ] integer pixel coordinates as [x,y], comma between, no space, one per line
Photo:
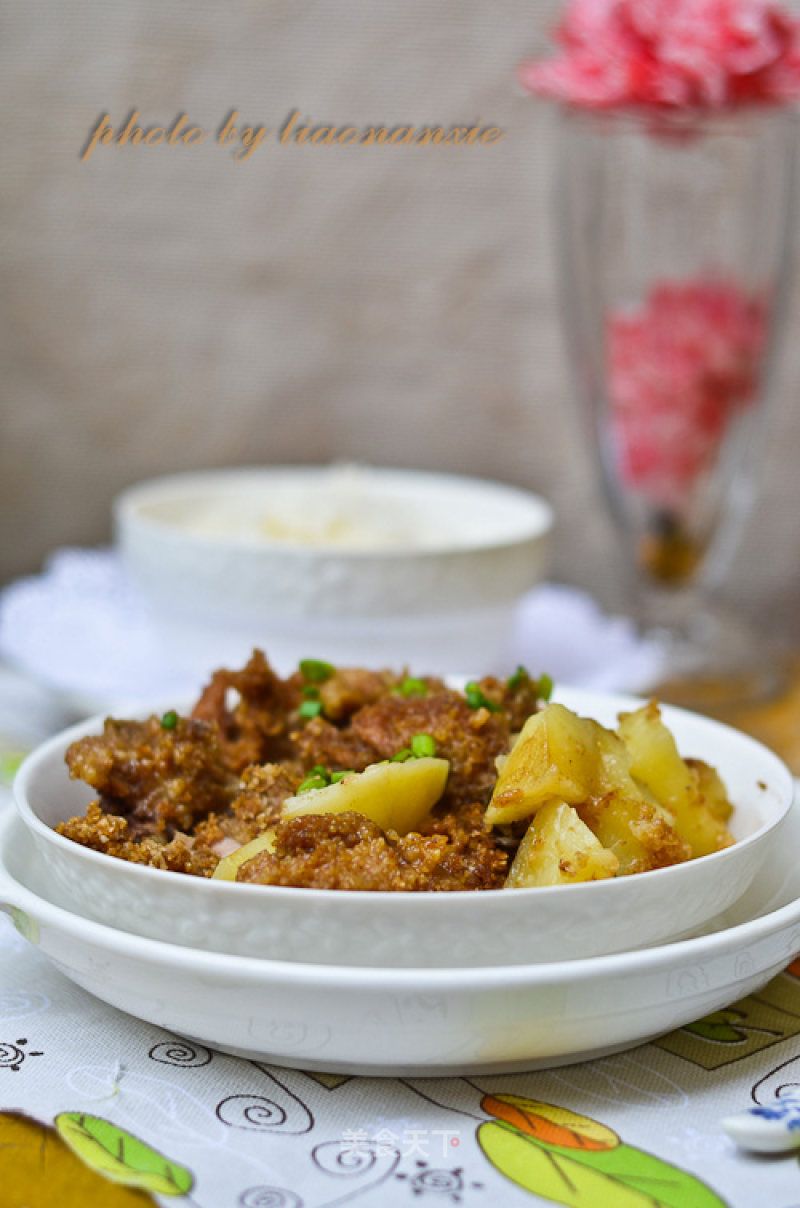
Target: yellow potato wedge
[558,755]
[554,756]
[229,865]
[657,765]
[396,796]
[710,789]
[559,849]
[640,834]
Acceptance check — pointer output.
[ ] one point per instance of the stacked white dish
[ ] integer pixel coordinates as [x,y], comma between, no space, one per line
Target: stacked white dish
[422,984]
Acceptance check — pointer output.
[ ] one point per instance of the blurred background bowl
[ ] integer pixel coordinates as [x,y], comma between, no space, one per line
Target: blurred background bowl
[353,564]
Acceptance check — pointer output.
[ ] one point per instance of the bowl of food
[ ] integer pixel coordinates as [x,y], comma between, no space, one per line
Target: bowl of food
[355,563]
[413,1022]
[373,818]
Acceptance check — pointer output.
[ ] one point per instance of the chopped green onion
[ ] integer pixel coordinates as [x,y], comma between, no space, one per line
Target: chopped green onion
[519,678]
[402,756]
[310,692]
[319,770]
[312,782]
[412,687]
[310,708]
[337,776]
[170,720]
[423,746]
[477,699]
[545,688]
[316,671]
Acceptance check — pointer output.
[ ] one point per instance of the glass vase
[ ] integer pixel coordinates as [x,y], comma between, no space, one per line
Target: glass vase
[674,265]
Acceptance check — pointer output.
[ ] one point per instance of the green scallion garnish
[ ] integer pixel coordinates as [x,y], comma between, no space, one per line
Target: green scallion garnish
[312,782]
[170,720]
[423,746]
[518,679]
[477,698]
[412,687]
[337,776]
[402,756]
[316,671]
[310,708]
[545,687]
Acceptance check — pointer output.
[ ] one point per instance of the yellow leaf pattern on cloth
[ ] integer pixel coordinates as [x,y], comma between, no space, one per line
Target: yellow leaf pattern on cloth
[579,1166]
[120,1156]
[38,1170]
[546,1122]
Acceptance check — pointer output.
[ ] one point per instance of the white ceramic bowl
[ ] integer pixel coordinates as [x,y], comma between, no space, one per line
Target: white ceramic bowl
[420,1022]
[500,927]
[348,564]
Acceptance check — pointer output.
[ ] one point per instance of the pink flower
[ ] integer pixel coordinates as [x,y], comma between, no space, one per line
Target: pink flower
[682,365]
[671,55]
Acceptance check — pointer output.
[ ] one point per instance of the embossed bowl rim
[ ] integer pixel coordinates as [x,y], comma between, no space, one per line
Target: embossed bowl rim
[529,1017]
[428,930]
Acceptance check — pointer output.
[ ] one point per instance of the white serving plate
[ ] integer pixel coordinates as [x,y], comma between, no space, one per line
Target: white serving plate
[418,1022]
[395,930]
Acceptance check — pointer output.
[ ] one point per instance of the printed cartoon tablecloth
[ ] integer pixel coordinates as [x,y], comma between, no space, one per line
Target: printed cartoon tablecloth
[97,1108]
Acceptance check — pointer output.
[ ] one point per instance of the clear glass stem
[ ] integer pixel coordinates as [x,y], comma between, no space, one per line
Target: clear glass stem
[674,257]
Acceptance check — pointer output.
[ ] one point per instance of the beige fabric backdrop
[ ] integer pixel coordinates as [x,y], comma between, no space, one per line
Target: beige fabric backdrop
[171,308]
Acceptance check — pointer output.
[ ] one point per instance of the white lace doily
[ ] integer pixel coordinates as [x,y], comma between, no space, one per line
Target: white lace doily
[82,628]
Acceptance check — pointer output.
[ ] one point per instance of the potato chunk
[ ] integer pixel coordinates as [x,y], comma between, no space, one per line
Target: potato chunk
[558,849]
[229,865]
[395,796]
[682,789]
[561,755]
[640,835]
[710,789]
[555,755]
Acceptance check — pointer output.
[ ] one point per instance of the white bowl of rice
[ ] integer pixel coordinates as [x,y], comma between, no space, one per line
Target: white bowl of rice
[346,563]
